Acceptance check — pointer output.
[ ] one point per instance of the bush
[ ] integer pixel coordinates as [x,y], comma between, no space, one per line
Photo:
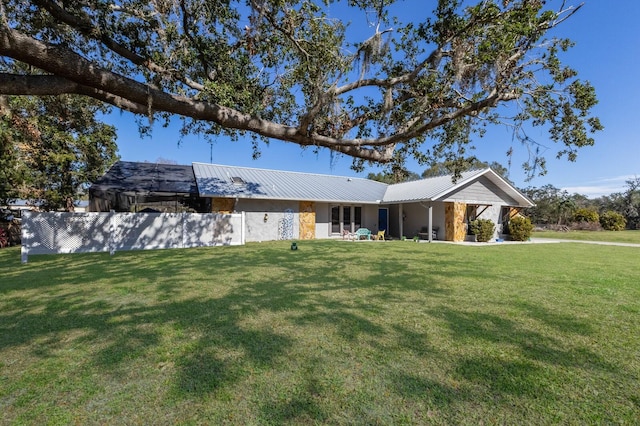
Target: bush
[4,239]
[612,221]
[520,228]
[586,226]
[483,229]
[586,215]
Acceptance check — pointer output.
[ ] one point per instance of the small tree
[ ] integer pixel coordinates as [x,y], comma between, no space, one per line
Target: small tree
[612,221]
[520,228]
[483,229]
[585,215]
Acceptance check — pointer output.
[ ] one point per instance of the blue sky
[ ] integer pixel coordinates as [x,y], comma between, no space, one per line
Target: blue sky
[607,53]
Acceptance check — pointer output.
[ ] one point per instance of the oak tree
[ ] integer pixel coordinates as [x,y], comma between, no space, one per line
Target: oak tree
[296,72]
[51,148]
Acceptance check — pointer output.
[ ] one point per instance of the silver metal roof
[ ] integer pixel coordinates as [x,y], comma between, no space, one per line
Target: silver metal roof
[425,189]
[440,187]
[216,180]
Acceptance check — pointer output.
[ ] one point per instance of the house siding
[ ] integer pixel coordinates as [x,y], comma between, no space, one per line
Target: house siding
[278,212]
[482,191]
[222,205]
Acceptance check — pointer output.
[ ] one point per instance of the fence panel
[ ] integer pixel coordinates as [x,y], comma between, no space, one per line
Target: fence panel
[49,233]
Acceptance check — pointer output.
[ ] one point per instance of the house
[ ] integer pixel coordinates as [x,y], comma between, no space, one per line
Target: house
[292,205]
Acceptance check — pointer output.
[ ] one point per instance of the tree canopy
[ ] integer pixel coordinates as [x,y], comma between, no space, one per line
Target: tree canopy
[51,148]
[293,70]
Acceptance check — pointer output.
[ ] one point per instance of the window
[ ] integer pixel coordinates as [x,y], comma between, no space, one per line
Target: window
[335,220]
[345,217]
[505,214]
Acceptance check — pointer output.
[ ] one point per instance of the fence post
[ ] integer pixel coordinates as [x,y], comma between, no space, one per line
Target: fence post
[242,228]
[112,228]
[24,239]
[184,231]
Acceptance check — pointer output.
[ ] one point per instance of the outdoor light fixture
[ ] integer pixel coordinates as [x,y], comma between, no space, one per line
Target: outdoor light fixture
[266,217]
[294,246]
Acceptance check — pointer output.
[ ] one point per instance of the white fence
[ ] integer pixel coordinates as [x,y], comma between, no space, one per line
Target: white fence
[49,233]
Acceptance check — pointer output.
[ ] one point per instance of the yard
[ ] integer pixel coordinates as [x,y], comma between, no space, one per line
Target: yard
[626,236]
[335,332]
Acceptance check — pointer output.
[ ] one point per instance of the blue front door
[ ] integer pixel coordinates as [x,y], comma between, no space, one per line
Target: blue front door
[383,219]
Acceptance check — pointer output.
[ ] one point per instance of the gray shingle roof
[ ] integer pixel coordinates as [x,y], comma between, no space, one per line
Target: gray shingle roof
[216,180]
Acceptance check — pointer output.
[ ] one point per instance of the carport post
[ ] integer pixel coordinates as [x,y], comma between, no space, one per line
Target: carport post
[400,220]
[430,222]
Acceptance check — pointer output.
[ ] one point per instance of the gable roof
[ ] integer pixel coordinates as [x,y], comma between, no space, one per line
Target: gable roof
[214,180]
[441,187]
[425,189]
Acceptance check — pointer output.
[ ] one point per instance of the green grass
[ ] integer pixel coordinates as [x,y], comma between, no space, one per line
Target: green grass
[334,333]
[608,236]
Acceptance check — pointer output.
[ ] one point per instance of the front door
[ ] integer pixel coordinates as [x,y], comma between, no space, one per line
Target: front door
[383,219]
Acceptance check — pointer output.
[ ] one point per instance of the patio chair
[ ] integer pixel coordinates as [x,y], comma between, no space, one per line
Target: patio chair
[424,233]
[380,236]
[362,234]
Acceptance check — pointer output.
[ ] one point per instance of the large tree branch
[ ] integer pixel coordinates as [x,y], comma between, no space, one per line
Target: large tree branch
[88,29]
[114,89]
[52,85]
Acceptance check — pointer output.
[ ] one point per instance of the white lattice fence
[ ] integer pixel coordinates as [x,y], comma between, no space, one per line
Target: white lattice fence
[49,233]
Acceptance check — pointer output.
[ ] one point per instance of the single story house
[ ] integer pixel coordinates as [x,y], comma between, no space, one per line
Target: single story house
[293,205]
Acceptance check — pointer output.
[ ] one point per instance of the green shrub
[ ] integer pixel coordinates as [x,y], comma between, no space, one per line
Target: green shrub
[483,229]
[520,228]
[585,215]
[612,221]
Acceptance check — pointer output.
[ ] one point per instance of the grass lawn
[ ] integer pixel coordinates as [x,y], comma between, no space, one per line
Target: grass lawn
[335,332]
[626,236]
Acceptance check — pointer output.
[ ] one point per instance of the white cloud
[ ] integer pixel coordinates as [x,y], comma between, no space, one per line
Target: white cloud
[601,186]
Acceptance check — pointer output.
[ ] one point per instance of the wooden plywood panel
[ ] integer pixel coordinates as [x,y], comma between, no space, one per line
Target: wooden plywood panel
[307,220]
[223,205]
[454,214]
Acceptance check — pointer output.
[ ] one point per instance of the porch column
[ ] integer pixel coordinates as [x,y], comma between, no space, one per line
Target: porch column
[430,222]
[400,219]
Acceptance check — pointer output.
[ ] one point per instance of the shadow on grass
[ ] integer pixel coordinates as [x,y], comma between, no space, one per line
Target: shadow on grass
[122,307]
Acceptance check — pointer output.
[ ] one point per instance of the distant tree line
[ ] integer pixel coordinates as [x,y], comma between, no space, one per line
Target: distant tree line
[557,207]
[399,174]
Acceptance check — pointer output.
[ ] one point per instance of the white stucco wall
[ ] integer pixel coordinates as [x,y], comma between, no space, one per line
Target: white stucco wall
[256,227]
[493,213]
[417,217]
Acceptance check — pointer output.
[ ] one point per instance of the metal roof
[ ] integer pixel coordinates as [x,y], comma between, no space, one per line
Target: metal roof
[216,180]
[440,187]
[424,189]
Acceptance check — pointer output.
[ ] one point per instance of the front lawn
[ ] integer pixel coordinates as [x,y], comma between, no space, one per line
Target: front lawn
[336,332]
[627,236]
